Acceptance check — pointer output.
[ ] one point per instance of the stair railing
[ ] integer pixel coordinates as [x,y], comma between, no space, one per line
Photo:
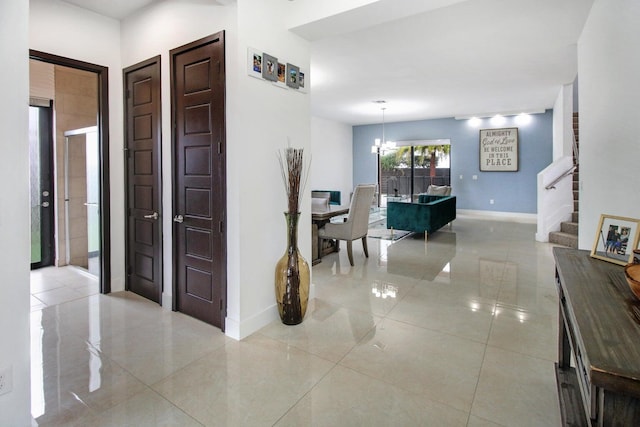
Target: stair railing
[575,150]
[556,206]
[568,172]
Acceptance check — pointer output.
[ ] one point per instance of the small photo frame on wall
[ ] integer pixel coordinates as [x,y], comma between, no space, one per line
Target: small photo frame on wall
[269,67]
[301,79]
[616,238]
[292,76]
[282,73]
[499,150]
[254,63]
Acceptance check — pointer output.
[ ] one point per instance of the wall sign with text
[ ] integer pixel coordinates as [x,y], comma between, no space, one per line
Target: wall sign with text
[499,150]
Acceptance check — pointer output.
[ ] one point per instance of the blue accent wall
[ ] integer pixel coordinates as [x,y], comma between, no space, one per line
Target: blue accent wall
[510,191]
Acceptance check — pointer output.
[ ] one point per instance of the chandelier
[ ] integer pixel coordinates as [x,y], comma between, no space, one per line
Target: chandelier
[382,146]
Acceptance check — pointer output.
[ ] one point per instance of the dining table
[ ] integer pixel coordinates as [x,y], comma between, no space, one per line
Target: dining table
[322,247]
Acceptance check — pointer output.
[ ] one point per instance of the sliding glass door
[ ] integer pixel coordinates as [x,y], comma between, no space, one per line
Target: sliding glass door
[408,170]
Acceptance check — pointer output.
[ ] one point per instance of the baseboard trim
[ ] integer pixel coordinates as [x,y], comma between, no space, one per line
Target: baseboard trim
[542,237]
[240,330]
[167,301]
[502,216]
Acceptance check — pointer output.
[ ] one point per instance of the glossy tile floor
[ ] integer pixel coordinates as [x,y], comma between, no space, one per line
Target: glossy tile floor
[458,331]
[53,285]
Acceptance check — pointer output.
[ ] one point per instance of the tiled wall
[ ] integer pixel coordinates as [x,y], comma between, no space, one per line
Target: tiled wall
[76,106]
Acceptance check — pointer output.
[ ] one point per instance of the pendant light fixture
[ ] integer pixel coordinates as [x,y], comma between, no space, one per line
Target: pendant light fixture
[382,146]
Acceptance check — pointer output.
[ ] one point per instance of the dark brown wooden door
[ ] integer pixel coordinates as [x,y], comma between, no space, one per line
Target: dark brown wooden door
[144,211]
[199,186]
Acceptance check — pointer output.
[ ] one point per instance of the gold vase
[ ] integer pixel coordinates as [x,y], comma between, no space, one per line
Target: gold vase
[292,277]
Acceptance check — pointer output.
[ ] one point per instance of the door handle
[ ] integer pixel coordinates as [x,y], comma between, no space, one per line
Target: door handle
[179,219]
[152,216]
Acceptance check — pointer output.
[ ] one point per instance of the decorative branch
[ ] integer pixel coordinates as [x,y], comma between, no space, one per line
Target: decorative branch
[294,175]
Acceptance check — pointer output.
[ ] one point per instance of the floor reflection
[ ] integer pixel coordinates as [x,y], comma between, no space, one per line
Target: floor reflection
[384,290]
[427,259]
[435,333]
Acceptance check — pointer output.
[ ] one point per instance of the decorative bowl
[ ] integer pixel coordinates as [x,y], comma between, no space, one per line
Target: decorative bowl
[632,274]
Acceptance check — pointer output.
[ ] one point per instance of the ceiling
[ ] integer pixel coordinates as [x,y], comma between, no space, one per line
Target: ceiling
[114,8]
[447,58]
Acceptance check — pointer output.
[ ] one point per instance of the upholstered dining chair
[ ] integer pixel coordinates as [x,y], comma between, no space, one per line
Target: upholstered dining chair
[356,225]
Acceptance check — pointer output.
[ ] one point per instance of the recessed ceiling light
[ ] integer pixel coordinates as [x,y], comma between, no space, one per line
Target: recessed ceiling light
[498,120]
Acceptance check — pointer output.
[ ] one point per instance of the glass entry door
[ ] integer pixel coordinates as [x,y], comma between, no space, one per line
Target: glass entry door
[41,186]
[82,199]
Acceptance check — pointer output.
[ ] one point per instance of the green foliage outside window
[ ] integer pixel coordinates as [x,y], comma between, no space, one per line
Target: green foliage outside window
[424,156]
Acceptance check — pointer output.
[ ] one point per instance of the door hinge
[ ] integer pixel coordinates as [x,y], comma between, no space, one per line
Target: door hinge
[128,271]
[221,226]
[219,147]
[128,93]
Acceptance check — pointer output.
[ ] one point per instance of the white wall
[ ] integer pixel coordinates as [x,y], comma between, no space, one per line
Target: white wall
[62,29]
[155,31]
[563,123]
[332,151]
[14,216]
[261,118]
[608,64]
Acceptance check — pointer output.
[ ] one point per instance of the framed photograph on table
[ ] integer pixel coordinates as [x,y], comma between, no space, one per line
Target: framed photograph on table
[616,238]
[499,150]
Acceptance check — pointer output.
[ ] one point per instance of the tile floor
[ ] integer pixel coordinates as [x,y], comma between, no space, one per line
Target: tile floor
[458,331]
[53,285]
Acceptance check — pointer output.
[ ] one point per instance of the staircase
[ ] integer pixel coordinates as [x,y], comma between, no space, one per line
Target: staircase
[568,234]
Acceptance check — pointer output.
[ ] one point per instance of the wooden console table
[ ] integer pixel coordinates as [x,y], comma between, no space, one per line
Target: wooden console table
[598,325]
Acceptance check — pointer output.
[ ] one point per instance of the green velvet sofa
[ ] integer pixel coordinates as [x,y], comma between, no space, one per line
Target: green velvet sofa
[428,215]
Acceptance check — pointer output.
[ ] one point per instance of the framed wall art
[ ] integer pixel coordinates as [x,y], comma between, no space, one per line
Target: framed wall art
[499,150]
[254,63]
[269,67]
[292,76]
[280,73]
[301,80]
[616,238]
